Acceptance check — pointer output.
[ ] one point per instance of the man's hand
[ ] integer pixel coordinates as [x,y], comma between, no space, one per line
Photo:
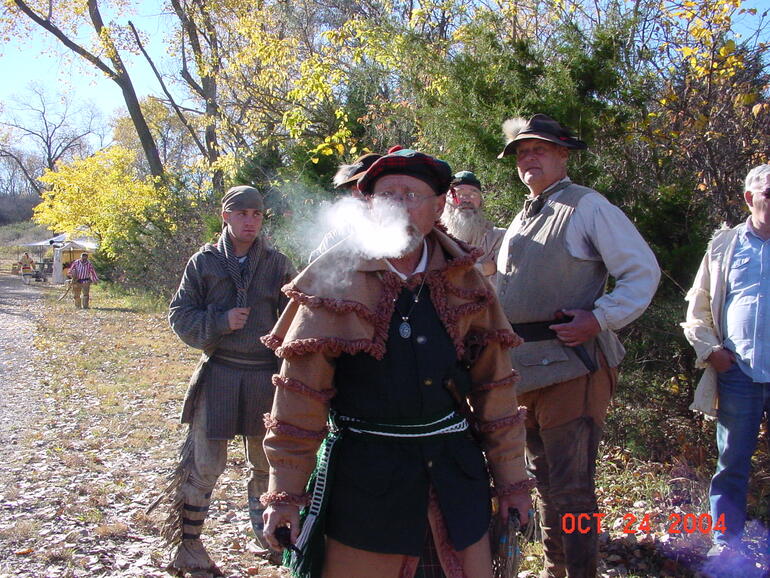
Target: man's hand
[721,360]
[236,317]
[580,329]
[277,516]
[521,501]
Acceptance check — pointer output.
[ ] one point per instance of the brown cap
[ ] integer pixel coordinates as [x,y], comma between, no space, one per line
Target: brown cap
[541,127]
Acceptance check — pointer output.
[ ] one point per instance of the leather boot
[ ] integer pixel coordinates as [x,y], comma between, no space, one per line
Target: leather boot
[553,545]
[581,551]
[78,304]
[190,556]
[85,302]
[570,452]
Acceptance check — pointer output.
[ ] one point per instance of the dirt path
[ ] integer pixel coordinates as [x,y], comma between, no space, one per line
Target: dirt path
[88,432]
[21,397]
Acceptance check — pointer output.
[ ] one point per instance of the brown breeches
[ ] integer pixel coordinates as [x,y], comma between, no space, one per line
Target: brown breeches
[564,426]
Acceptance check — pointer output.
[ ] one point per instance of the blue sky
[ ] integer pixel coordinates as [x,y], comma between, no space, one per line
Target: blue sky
[43,60]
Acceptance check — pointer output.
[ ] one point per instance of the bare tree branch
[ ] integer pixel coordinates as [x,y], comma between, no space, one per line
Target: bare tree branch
[183,119]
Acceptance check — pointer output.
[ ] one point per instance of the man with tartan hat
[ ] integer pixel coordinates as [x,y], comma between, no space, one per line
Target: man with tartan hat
[405,355]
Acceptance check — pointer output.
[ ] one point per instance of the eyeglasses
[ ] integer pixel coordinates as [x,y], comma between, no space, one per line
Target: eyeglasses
[460,195]
[466,194]
[409,199]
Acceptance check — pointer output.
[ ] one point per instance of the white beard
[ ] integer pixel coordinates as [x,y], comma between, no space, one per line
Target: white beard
[466,224]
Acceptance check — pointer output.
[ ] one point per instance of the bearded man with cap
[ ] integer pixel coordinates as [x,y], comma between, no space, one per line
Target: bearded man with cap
[464,220]
[230,295]
[405,357]
[553,268]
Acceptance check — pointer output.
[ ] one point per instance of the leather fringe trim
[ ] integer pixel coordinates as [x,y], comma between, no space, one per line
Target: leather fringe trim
[331,345]
[521,487]
[284,499]
[446,553]
[507,339]
[292,431]
[334,305]
[171,527]
[468,260]
[271,341]
[510,380]
[470,294]
[439,286]
[299,387]
[409,567]
[508,421]
[379,319]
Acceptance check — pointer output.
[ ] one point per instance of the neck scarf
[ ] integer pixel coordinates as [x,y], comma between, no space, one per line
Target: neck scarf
[241,276]
[533,206]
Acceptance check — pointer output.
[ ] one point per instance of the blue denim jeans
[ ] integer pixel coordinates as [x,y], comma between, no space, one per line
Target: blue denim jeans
[742,404]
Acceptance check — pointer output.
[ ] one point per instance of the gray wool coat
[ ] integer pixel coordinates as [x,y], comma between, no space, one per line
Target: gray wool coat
[237,394]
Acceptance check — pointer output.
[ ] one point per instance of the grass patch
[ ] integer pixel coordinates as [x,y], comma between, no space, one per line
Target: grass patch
[135,300]
[21,531]
[112,531]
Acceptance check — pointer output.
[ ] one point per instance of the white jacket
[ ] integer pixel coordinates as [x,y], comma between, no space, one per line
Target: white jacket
[706,301]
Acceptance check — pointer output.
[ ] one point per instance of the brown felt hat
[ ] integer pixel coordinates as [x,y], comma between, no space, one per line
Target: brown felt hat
[541,127]
[350,174]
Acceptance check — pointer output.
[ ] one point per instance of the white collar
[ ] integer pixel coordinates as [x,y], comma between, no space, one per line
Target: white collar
[421,266]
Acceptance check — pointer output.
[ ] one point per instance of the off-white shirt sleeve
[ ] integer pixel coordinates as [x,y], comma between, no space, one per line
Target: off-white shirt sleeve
[600,231]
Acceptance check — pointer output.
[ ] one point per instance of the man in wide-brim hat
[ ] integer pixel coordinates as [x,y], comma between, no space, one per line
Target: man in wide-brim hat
[553,267]
[397,355]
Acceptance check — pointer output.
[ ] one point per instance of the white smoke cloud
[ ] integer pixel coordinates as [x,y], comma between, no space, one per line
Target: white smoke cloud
[376,230]
[371,230]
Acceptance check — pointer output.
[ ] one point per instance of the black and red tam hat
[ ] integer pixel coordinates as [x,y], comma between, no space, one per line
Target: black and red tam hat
[540,126]
[435,172]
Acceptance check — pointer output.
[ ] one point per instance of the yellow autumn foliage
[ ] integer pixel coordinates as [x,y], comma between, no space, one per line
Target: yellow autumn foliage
[103,195]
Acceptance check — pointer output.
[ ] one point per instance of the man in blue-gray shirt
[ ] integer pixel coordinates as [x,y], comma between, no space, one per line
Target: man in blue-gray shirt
[728,324]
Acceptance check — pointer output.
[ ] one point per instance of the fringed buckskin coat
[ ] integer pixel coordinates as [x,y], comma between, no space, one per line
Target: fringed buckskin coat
[354,314]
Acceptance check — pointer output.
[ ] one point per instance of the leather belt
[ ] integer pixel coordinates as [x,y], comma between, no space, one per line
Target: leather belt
[536,331]
[238,361]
